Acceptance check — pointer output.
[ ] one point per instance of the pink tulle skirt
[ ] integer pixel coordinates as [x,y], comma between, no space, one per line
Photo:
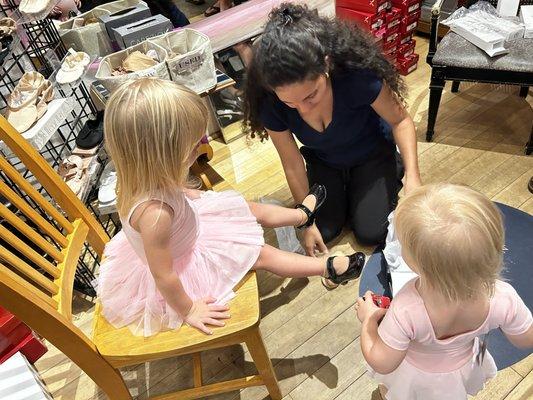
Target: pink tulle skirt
[409,382]
[228,245]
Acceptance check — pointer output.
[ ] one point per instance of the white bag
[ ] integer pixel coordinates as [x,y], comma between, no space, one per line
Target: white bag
[286,235]
[399,271]
[92,38]
[190,59]
[113,61]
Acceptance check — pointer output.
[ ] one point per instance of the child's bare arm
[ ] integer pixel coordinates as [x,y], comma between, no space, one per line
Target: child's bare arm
[154,223]
[382,358]
[524,340]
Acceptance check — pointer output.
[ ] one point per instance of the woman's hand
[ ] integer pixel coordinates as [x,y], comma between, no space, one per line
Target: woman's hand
[366,308]
[204,312]
[313,241]
[412,181]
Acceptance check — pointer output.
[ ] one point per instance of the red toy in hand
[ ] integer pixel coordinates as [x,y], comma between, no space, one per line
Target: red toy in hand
[381,301]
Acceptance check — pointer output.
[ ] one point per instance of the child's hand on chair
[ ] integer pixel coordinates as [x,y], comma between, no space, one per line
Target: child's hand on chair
[204,312]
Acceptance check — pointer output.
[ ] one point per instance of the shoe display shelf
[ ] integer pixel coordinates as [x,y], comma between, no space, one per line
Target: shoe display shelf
[37,46]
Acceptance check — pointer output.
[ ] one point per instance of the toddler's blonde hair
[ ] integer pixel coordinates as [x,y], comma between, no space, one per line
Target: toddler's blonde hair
[454,235]
[151,128]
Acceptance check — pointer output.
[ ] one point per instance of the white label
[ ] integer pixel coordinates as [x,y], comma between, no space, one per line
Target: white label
[393,23]
[411,27]
[382,7]
[413,8]
[412,68]
[191,62]
[408,53]
[391,38]
[377,24]
[406,39]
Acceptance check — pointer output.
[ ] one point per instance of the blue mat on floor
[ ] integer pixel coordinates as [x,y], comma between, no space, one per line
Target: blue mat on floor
[518,261]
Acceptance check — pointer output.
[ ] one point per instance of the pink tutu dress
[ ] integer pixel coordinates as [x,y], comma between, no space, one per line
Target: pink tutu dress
[215,240]
[445,369]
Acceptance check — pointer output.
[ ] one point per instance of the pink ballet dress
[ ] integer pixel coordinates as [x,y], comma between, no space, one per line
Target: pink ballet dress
[445,369]
[215,240]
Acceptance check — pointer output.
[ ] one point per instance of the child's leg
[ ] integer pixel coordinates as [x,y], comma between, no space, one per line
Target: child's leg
[273,216]
[294,265]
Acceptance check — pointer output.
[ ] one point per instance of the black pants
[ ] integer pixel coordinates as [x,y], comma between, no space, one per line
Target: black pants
[361,196]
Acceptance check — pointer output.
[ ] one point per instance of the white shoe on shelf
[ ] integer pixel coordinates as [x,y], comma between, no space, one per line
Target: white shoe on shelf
[108,183]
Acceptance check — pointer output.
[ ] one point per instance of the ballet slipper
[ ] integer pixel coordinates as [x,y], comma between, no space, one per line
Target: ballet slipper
[70,166]
[73,67]
[34,7]
[47,92]
[21,97]
[28,101]
[23,118]
[138,61]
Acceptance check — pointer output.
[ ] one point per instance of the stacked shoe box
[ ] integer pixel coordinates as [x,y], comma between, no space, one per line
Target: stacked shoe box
[407,59]
[16,336]
[391,22]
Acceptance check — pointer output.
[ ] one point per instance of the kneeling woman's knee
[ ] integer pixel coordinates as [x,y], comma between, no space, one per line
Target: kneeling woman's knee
[370,235]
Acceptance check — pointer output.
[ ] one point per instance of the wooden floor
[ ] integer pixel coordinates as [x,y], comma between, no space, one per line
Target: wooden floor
[313,335]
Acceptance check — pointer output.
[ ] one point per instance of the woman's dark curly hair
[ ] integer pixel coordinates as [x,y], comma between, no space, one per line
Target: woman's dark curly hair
[293,48]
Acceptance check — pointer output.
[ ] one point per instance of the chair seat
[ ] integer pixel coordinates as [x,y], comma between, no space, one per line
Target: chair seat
[121,348]
[455,51]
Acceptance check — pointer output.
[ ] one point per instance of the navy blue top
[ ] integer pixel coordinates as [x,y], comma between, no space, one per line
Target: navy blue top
[355,129]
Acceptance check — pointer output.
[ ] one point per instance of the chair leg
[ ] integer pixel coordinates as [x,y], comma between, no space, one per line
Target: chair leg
[257,349]
[435,88]
[524,90]
[455,86]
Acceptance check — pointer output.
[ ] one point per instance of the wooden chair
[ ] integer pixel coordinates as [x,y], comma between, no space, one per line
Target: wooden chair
[456,59]
[36,283]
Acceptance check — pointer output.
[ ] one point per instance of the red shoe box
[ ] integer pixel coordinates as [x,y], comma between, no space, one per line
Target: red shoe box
[406,49]
[10,342]
[391,53]
[32,348]
[405,38]
[407,6]
[407,65]
[391,36]
[16,336]
[409,23]
[368,6]
[369,21]
[393,18]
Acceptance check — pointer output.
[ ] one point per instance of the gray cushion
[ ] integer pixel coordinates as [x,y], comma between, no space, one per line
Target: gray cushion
[455,51]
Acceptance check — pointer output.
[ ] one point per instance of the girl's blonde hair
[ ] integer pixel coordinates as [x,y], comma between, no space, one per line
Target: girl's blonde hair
[454,236]
[151,127]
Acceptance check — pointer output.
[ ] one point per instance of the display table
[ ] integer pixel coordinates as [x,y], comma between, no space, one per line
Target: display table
[517,271]
[247,20]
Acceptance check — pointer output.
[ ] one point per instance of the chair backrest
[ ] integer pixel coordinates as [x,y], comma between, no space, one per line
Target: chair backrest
[43,233]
